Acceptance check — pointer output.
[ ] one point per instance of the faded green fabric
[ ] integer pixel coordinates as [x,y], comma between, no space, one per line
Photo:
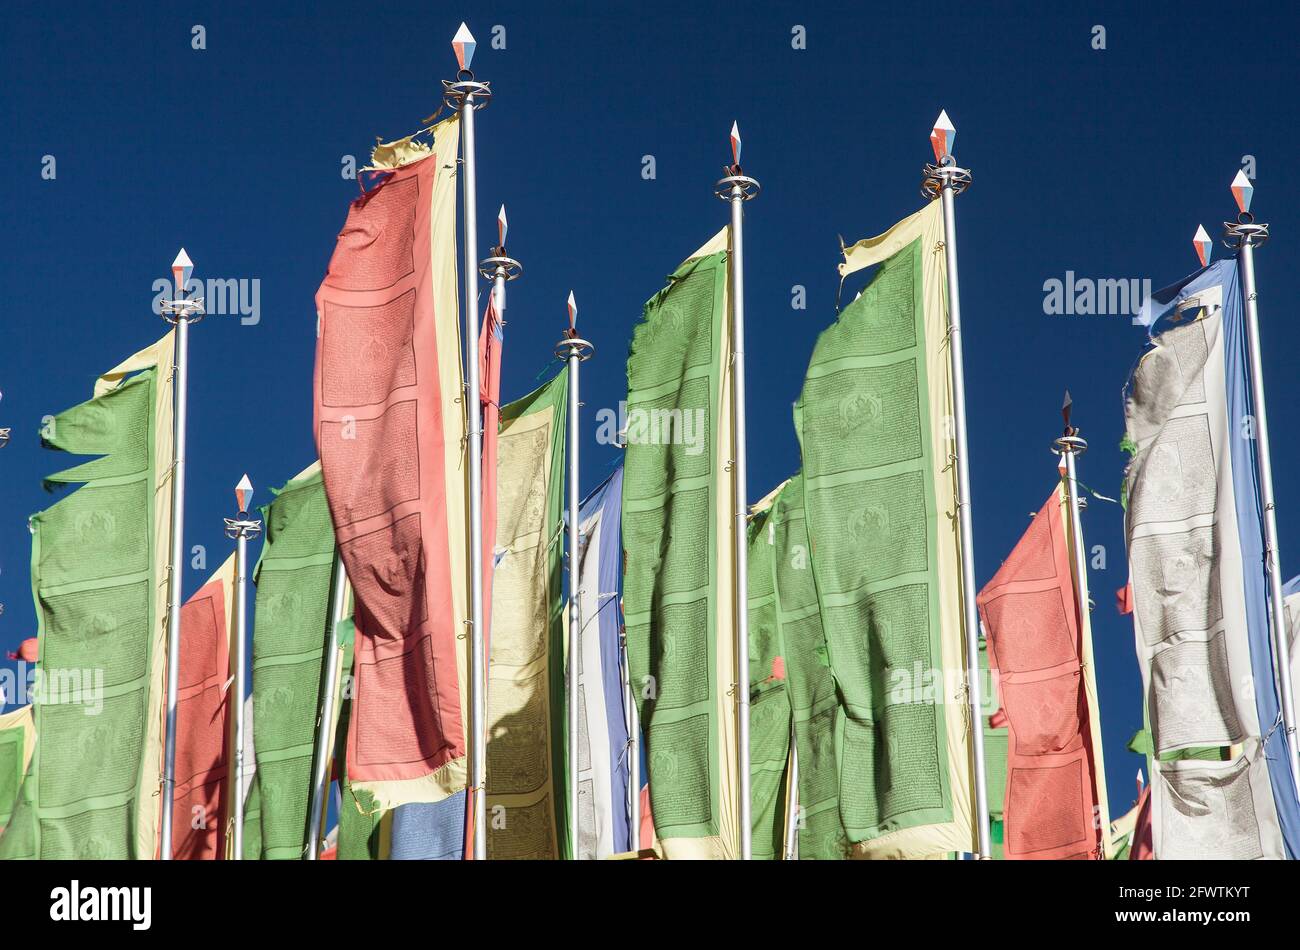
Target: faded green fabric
[670,494]
[810,685]
[92,579]
[12,742]
[289,634]
[359,820]
[253,821]
[769,712]
[872,512]
[527,625]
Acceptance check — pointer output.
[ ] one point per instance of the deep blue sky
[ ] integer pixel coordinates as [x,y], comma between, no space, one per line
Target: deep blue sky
[1097,161]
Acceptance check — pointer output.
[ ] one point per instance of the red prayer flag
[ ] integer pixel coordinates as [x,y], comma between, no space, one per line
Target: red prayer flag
[1030,615]
[1140,846]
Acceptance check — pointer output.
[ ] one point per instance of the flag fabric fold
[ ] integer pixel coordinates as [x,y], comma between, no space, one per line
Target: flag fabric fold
[879,496]
[1200,618]
[293,577]
[99,579]
[603,828]
[526,766]
[17,742]
[678,519]
[391,431]
[1055,803]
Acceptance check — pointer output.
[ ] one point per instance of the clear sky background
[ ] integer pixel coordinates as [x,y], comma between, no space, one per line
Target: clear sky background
[1096,161]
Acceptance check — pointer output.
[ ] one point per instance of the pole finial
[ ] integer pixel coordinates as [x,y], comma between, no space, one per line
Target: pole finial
[464,45]
[1201,241]
[735,144]
[244,493]
[502,227]
[942,136]
[573,315]
[182,268]
[1066,406]
[1242,191]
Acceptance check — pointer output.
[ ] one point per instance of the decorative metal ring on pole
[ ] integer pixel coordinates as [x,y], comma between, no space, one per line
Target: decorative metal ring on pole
[948,172]
[249,528]
[174,311]
[749,187]
[1244,231]
[465,85]
[1070,444]
[509,268]
[574,346]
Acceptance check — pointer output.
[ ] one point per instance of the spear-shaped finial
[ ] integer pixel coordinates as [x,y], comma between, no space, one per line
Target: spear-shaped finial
[464,45]
[182,268]
[573,315]
[1242,191]
[1066,406]
[244,494]
[735,144]
[942,136]
[1201,241]
[502,227]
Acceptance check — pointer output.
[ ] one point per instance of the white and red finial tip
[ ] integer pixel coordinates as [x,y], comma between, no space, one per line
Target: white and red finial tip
[1242,191]
[182,268]
[463,43]
[244,493]
[942,136]
[735,143]
[1201,241]
[573,311]
[502,227]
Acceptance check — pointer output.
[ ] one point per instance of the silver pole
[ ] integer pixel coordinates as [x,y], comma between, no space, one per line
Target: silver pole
[736,189]
[180,312]
[949,179]
[241,631]
[574,350]
[792,809]
[320,776]
[241,528]
[633,750]
[1247,234]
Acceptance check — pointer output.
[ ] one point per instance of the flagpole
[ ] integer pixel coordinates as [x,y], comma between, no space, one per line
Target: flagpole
[320,776]
[736,188]
[241,528]
[1070,446]
[575,351]
[180,312]
[945,180]
[1244,235]
[467,95]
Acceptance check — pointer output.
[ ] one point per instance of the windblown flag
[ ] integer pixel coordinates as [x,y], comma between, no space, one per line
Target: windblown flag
[17,741]
[603,828]
[99,575]
[293,579]
[526,798]
[1055,804]
[201,801]
[1201,608]
[879,492]
[769,711]
[678,514]
[390,426]
[810,683]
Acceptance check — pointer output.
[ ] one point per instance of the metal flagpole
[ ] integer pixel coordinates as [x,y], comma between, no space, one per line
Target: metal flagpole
[466,95]
[1244,235]
[1070,446]
[181,312]
[945,180]
[736,188]
[575,351]
[320,776]
[241,528]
